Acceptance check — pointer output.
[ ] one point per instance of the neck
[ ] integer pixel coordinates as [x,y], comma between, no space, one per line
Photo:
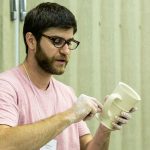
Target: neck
[37,76]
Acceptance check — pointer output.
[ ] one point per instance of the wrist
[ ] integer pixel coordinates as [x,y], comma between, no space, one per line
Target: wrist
[104,129]
[70,116]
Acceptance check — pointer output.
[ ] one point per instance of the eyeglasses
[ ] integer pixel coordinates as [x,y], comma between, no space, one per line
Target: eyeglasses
[60,42]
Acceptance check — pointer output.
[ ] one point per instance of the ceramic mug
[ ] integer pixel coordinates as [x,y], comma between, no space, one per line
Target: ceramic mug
[123,98]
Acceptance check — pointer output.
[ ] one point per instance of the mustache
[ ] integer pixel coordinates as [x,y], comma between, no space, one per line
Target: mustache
[62,58]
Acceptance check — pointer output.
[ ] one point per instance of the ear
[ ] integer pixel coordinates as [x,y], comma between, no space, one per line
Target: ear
[31,41]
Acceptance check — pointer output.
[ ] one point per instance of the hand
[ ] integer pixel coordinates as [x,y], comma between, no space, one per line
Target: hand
[122,119]
[86,107]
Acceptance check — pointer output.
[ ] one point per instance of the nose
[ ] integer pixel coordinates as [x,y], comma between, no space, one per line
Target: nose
[65,49]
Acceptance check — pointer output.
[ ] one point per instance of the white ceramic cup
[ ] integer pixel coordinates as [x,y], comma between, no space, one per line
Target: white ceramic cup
[123,98]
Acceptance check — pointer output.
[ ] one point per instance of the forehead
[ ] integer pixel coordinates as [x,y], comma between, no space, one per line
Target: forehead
[65,33]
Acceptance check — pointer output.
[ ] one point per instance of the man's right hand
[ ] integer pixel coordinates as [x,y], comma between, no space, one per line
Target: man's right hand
[85,108]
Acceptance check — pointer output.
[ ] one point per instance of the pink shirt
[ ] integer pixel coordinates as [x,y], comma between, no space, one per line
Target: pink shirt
[23,103]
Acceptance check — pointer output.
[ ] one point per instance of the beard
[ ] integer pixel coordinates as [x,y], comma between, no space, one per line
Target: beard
[47,64]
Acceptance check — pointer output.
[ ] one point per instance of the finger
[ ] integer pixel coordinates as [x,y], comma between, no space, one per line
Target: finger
[120,120]
[125,115]
[97,102]
[92,113]
[96,105]
[94,110]
[106,97]
[116,126]
[92,99]
[89,117]
[133,109]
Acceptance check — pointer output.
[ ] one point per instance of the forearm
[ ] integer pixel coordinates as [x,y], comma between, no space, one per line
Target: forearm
[33,136]
[101,139]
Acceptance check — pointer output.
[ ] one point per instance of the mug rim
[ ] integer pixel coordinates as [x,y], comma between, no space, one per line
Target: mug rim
[134,93]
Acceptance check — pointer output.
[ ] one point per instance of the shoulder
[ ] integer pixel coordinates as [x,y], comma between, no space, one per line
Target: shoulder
[10,77]
[8,74]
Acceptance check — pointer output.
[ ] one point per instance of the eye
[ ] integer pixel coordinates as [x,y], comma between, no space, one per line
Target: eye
[58,41]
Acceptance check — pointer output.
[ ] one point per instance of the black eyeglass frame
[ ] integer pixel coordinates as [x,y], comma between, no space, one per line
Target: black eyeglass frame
[53,38]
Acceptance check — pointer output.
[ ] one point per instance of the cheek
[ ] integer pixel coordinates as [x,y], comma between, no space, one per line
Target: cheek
[48,49]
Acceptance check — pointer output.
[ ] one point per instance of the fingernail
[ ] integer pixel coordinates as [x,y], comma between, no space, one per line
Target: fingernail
[116,117]
[123,113]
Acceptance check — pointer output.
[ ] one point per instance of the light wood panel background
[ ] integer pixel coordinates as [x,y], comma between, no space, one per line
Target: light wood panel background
[115,46]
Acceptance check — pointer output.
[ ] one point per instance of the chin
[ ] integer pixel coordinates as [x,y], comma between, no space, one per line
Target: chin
[56,72]
[59,72]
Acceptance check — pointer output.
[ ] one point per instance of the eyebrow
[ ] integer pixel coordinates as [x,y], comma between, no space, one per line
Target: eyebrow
[61,37]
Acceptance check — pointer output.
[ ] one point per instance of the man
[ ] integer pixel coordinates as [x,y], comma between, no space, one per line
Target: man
[37,111]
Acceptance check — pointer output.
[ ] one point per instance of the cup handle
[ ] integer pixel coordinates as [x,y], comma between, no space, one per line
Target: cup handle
[113,97]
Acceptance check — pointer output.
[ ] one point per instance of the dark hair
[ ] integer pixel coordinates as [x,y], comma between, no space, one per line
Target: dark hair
[47,15]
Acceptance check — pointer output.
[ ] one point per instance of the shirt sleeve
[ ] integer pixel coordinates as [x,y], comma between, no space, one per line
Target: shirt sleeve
[8,104]
[83,128]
